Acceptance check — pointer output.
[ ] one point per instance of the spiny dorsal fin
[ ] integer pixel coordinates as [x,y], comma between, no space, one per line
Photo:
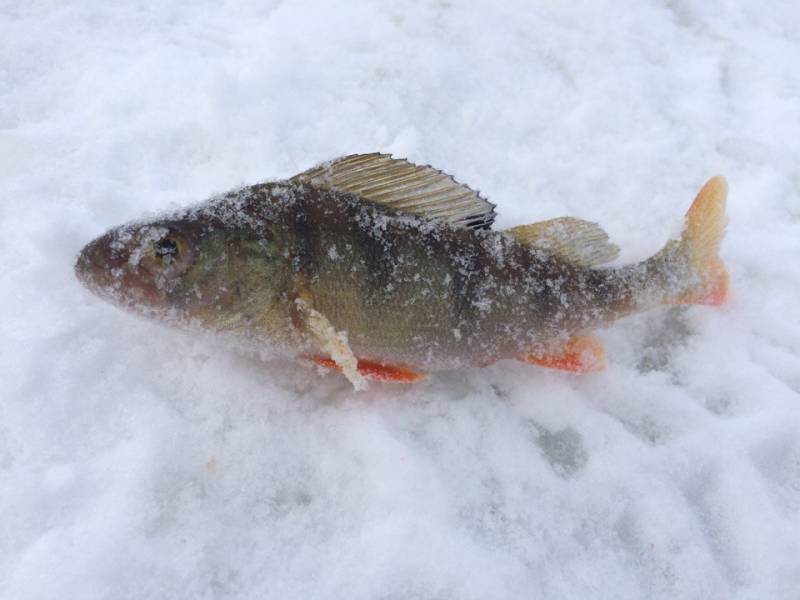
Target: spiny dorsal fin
[403,186]
[576,241]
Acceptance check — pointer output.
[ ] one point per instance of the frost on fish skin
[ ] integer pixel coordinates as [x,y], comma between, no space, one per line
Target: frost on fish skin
[404,289]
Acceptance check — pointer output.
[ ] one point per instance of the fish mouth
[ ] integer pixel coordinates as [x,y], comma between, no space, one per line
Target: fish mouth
[90,267]
[106,270]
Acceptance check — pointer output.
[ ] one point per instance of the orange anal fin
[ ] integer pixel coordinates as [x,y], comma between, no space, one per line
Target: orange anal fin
[714,292]
[375,370]
[584,354]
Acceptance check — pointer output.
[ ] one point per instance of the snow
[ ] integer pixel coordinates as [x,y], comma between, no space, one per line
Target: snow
[137,461]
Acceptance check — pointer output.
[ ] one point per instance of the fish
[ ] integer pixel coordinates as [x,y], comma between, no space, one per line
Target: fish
[387,270]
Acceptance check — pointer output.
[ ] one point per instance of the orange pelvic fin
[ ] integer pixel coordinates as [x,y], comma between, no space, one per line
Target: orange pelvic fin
[375,370]
[581,354]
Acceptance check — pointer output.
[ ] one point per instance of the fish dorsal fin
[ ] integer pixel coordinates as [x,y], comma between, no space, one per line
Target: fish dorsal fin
[573,240]
[403,186]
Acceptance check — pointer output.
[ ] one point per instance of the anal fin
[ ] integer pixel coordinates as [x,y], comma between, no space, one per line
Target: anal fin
[375,371]
[581,354]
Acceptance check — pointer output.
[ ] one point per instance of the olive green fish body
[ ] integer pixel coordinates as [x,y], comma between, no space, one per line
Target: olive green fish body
[379,260]
[432,296]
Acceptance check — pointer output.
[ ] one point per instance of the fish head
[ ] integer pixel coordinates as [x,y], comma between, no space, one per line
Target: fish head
[140,266]
[191,268]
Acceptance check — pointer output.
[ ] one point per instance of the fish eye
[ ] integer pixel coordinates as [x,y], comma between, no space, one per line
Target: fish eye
[168,249]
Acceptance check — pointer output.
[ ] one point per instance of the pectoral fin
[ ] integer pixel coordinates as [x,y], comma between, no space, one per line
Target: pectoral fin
[581,354]
[331,342]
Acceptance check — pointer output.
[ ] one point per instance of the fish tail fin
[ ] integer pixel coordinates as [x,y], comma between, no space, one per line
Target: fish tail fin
[698,248]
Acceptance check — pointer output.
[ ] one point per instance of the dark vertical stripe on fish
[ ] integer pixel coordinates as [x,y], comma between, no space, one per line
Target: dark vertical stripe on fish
[466,268]
[302,259]
[378,256]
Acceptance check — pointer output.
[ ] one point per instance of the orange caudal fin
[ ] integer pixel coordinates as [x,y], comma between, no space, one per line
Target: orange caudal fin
[700,242]
[714,291]
[375,371]
[581,354]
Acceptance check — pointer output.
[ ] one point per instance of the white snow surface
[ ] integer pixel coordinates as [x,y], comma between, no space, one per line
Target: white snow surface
[141,462]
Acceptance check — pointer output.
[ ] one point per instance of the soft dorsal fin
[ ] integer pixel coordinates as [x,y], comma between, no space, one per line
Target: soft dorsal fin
[403,186]
[576,241]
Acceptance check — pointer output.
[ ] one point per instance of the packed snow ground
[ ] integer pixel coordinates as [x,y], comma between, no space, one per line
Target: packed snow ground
[141,462]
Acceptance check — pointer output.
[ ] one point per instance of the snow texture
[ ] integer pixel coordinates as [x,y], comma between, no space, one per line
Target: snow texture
[141,462]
